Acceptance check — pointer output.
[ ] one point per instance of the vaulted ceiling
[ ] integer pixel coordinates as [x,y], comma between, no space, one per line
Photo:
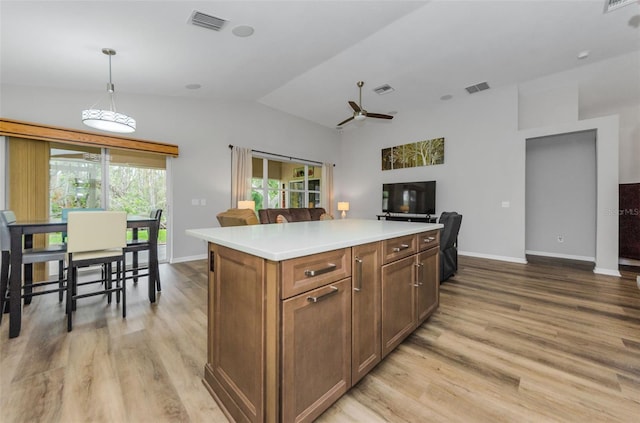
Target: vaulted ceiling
[305,57]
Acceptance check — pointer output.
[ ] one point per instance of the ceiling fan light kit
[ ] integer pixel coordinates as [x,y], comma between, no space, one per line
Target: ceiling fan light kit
[108,120]
[359,113]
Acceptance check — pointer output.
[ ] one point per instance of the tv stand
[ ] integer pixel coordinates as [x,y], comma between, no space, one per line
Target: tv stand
[423,218]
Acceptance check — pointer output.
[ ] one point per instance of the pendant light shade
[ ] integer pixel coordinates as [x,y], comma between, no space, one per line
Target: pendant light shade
[108,120]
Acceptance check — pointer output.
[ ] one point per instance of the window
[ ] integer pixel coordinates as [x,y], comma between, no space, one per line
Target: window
[277,184]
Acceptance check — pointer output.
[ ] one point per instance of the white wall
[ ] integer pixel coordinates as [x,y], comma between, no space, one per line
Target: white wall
[484,151]
[483,166]
[629,160]
[202,129]
[485,156]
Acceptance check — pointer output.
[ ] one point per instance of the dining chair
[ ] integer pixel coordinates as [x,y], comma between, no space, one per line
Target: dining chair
[65,213]
[29,256]
[96,238]
[137,245]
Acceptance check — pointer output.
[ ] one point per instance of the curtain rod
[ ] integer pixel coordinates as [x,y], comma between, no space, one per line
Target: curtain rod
[283,156]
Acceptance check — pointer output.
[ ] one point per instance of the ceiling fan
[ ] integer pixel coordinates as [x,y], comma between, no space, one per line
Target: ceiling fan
[359,113]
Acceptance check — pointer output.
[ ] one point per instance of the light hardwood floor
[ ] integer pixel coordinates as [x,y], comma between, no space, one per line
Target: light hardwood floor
[510,342]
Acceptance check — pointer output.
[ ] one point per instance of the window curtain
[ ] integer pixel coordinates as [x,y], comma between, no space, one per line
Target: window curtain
[326,184]
[240,175]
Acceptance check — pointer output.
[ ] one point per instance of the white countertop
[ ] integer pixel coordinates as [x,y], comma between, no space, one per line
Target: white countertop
[284,241]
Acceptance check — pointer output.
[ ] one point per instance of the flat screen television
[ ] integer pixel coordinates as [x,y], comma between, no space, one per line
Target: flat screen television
[409,197]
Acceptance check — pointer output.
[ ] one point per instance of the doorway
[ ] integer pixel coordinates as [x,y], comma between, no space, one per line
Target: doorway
[561,196]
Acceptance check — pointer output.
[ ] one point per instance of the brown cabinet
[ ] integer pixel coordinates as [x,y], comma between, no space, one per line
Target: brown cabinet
[304,273]
[287,338]
[366,344]
[236,318]
[398,302]
[316,350]
[397,248]
[409,286]
[428,277]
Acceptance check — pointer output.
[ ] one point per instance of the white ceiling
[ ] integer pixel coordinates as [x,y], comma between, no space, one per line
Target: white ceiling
[305,57]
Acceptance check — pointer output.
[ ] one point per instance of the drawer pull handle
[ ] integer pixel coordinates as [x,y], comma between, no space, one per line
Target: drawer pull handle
[359,275]
[419,275]
[431,238]
[319,298]
[400,248]
[327,269]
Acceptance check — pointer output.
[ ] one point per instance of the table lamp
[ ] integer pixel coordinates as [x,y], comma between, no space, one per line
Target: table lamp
[247,204]
[343,206]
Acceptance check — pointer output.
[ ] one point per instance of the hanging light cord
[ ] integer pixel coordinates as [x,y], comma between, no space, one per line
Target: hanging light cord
[110,87]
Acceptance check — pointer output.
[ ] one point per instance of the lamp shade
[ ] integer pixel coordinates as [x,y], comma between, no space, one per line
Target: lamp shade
[343,206]
[108,120]
[247,204]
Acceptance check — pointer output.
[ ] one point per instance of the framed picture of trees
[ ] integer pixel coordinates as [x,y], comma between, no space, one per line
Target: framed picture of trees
[420,153]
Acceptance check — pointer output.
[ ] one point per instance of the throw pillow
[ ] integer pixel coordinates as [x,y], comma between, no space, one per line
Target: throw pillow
[281,219]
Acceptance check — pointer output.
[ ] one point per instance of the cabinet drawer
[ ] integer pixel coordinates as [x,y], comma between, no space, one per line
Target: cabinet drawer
[397,248]
[428,240]
[304,273]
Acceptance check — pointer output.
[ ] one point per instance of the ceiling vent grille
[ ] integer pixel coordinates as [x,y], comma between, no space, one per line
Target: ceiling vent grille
[611,5]
[384,89]
[477,87]
[206,21]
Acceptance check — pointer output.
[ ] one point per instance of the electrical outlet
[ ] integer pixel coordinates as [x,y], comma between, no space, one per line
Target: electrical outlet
[560,239]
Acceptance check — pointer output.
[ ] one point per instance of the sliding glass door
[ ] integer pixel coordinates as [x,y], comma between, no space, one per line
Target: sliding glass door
[89,178]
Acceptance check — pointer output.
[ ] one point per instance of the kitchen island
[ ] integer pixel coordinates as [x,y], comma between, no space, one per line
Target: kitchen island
[300,312]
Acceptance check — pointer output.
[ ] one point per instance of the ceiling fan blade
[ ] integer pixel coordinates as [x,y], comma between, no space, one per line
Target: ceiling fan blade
[354,106]
[379,116]
[345,121]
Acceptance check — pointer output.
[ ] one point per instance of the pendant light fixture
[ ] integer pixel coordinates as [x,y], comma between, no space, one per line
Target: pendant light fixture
[108,120]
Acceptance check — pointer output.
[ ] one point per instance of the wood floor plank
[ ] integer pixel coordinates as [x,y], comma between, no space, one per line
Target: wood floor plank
[541,342]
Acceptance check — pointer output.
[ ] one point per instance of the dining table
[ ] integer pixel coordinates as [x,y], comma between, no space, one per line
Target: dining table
[22,232]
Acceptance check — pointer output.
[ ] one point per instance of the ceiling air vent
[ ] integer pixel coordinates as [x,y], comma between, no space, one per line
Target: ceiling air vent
[478,87]
[611,5]
[206,21]
[383,89]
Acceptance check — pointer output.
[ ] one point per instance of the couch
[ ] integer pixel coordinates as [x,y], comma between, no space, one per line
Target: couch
[291,214]
[237,217]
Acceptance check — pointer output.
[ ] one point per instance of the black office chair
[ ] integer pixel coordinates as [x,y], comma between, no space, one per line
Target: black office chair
[135,246]
[449,244]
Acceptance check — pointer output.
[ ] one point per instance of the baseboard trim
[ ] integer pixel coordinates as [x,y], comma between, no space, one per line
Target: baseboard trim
[188,258]
[608,272]
[562,256]
[493,257]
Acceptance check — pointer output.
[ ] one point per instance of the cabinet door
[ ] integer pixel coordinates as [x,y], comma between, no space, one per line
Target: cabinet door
[398,304]
[316,350]
[236,340]
[428,283]
[366,344]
